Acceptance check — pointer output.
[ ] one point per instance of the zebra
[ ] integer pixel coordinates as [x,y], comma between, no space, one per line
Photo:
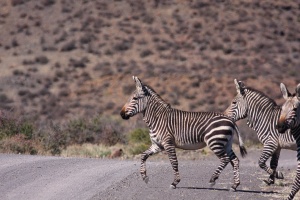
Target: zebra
[170,128]
[290,119]
[262,114]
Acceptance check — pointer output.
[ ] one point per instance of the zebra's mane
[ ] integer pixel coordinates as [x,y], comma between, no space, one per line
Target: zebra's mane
[270,100]
[152,91]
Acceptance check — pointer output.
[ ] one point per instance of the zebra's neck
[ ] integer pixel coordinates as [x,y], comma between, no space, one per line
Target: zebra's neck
[261,110]
[156,110]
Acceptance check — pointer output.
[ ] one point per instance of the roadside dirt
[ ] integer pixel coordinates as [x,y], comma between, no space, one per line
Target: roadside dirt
[38,177]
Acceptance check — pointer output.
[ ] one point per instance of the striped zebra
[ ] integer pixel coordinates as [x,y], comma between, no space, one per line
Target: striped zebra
[262,114]
[171,128]
[290,119]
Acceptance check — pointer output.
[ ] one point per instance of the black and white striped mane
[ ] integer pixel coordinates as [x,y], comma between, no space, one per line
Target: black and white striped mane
[151,91]
[263,95]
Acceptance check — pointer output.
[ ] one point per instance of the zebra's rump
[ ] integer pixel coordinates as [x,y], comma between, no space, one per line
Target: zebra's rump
[219,129]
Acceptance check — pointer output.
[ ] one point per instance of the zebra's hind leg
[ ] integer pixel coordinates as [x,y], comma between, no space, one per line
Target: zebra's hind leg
[236,171]
[145,155]
[174,162]
[224,161]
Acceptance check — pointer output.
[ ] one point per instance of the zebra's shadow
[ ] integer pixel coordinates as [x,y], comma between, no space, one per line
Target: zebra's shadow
[221,189]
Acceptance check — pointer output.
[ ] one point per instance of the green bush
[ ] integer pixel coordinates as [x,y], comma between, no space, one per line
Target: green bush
[138,149]
[20,135]
[10,126]
[139,141]
[19,144]
[140,135]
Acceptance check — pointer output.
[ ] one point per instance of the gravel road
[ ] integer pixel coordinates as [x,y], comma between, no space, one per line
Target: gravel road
[38,177]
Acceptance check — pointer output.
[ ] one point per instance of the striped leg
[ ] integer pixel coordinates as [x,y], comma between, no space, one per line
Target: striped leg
[296,184]
[236,171]
[266,154]
[170,149]
[274,164]
[224,161]
[145,155]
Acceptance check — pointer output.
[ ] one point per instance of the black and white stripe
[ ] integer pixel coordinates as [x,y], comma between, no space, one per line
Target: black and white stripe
[171,128]
[262,114]
[290,119]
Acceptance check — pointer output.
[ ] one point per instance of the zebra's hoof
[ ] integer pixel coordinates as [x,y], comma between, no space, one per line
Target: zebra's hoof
[172,186]
[211,184]
[232,189]
[279,175]
[269,182]
[146,179]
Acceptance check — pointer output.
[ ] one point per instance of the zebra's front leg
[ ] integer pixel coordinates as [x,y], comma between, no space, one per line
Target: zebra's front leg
[296,184]
[174,162]
[145,155]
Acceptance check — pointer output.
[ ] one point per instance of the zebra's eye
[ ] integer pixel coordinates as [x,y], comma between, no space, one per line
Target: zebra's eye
[135,98]
[234,102]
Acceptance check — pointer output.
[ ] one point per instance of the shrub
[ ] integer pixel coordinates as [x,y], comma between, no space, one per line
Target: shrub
[146,53]
[5,99]
[19,144]
[69,46]
[138,149]
[18,2]
[140,135]
[139,140]
[42,60]
[48,2]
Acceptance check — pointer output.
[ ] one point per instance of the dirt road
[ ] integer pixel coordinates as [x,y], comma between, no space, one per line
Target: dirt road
[37,177]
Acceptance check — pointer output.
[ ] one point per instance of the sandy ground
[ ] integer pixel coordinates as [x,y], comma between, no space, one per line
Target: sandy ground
[38,177]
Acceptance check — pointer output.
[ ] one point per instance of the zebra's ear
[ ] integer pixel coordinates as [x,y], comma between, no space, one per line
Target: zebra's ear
[239,86]
[138,83]
[298,91]
[284,91]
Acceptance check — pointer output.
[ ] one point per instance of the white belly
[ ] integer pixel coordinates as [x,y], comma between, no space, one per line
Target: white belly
[195,146]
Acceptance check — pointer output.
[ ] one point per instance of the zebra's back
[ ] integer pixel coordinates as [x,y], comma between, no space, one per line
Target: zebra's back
[191,130]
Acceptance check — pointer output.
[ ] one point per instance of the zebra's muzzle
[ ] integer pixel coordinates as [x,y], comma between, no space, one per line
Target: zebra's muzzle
[124,115]
[281,127]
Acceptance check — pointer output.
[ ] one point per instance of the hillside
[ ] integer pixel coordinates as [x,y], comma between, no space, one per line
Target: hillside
[63,59]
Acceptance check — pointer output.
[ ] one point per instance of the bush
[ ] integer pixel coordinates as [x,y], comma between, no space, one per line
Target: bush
[69,46]
[140,135]
[18,135]
[139,140]
[19,144]
[42,60]
[11,125]
[138,149]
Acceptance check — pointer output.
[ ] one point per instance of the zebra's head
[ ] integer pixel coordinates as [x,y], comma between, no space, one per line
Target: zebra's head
[137,102]
[238,107]
[290,110]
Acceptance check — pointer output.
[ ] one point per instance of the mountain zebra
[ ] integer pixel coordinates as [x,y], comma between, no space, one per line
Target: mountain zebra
[171,128]
[262,114]
[290,119]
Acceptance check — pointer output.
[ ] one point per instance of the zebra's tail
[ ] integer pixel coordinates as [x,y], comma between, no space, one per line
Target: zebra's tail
[243,150]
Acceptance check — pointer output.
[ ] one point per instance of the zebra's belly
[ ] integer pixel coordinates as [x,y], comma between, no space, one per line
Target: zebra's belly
[194,146]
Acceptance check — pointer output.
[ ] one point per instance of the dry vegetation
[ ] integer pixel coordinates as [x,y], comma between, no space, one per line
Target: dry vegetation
[73,59]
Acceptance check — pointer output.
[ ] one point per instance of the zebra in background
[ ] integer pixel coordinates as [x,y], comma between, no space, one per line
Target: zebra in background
[262,114]
[171,128]
[290,119]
